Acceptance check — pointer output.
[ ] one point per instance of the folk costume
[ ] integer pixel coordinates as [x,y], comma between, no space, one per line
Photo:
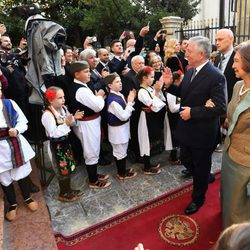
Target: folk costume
[60,149]
[88,129]
[119,113]
[148,121]
[16,153]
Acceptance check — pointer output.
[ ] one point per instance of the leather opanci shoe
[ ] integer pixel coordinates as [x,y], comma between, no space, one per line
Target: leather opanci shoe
[193,207]
[186,173]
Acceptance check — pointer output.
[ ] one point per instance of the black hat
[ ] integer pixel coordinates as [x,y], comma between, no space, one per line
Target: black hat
[78,66]
[110,78]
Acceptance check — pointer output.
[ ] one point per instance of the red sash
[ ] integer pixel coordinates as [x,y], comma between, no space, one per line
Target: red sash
[15,147]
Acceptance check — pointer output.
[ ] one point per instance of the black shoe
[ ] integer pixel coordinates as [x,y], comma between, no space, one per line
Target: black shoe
[193,208]
[186,173]
[211,178]
[34,188]
[104,162]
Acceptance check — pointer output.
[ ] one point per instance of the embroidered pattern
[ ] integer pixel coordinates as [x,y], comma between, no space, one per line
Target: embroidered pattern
[179,230]
[64,158]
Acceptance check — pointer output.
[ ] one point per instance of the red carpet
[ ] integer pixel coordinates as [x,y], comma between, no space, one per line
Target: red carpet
[159,224]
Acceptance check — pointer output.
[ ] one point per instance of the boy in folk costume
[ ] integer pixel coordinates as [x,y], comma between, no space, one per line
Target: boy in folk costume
[119,112]
[151,100]
[88,129]
[57,121]
[15,156]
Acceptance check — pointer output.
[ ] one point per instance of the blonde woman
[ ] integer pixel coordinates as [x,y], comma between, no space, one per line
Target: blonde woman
[171,59]
[156,63]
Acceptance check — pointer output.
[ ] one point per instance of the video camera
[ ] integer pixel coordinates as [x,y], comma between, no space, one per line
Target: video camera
[25,11]
[12,59]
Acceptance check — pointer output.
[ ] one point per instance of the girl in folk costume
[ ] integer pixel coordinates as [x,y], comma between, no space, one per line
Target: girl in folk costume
[57,121]
[151,101]
[15,156]
[119,112]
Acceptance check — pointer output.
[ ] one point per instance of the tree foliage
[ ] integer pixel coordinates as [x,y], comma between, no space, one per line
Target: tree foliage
[104,18]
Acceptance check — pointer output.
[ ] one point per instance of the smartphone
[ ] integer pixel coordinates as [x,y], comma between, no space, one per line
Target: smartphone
[148,23]
[126,33]
[94,39]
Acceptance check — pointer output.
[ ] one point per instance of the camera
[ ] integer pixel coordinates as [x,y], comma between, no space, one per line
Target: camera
[26,11]
[126,33]
[163,32]
[7,59]
[13,59]
[93,39]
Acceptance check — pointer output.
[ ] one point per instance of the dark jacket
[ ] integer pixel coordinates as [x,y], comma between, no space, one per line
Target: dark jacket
[201,130]
[229,74]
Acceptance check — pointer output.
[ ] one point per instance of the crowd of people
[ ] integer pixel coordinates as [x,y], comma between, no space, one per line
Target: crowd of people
[173,94]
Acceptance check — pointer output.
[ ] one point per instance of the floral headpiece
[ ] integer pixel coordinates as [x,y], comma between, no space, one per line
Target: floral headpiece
[50,94]
[148,69]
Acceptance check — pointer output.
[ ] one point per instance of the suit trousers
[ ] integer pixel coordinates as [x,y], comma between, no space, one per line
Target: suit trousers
[198,161]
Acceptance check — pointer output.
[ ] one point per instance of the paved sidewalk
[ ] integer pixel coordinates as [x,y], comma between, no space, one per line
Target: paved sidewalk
[97,205]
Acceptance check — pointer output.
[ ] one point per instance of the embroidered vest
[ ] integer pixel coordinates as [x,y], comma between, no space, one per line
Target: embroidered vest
[112,119]
[10,112]
[74,105]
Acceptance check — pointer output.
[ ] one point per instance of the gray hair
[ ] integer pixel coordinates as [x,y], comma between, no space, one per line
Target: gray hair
[203,44]
[85,54]
[134,58]
[244,50]
[235,237]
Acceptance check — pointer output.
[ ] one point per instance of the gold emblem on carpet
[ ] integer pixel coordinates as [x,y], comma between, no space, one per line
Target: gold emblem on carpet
[179,230]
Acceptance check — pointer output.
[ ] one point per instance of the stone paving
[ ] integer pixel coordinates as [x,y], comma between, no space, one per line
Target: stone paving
[97,205]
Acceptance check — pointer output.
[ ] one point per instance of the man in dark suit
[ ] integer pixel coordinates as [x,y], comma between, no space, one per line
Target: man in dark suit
[130,82]
[103,56]
[224,61]
[122,58]
[198,126]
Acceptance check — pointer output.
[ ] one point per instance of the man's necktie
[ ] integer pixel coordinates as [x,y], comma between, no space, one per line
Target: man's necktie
[222,57]
[107,68]
[193,75]
[97,73]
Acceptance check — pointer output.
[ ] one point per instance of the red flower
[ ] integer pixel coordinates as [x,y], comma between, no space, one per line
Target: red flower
[50,94]
[179,72]
[65,172]
[148,69]
[63,163]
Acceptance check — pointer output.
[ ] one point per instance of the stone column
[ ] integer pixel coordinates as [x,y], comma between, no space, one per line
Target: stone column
[171,24]
[243,17]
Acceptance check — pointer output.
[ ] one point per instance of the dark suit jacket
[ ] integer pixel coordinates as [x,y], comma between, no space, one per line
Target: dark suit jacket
[201,130]
[229,74]
[117,66]
[100,66]
[129,82]
[97,82]
[184,61]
